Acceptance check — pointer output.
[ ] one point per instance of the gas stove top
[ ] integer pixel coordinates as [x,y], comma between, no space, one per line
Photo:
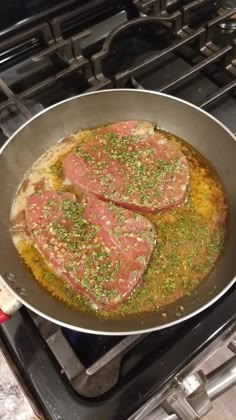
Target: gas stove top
[50,51]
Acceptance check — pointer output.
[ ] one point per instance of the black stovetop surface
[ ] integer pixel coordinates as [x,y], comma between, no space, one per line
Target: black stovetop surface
[177,47]
[169,351]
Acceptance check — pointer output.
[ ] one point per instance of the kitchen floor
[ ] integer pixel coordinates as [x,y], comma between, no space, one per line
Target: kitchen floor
[14,405]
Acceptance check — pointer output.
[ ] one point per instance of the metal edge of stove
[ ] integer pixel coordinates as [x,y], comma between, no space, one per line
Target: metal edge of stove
[208,388]
[33,352]
[189,395]
[192,398]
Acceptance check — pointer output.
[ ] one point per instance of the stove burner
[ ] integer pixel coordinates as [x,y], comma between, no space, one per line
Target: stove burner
[144,38]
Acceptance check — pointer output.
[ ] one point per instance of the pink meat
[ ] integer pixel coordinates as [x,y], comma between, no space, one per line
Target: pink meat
[129,128]
[131,165]
[100,249]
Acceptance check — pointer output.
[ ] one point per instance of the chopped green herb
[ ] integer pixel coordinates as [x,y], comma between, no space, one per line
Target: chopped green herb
[56,169]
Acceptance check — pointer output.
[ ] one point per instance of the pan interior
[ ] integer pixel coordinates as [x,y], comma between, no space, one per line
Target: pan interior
[215,142]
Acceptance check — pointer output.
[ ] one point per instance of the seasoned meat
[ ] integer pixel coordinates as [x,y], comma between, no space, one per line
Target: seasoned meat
[129,128]
[99,248]
[131,165]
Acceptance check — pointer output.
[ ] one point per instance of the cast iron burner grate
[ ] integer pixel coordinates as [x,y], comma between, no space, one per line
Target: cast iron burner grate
[167,52]
[110,360]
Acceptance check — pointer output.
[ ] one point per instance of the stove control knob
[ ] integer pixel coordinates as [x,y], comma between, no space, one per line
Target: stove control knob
[188,399]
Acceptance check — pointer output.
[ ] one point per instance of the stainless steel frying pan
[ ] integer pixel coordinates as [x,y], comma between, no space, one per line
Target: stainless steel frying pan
[198,128]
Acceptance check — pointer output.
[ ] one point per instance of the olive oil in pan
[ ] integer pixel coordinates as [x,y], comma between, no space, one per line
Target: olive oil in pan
[190,237]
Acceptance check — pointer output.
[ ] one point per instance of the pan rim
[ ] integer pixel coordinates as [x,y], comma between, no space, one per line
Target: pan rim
[140,330]
[117,90]
[124,332]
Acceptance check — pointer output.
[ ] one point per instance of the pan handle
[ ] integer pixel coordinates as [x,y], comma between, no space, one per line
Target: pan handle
[3,317]
[8,304]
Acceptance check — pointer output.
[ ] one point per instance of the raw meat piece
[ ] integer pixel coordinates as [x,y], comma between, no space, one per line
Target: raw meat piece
[130,165]
[99,248]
